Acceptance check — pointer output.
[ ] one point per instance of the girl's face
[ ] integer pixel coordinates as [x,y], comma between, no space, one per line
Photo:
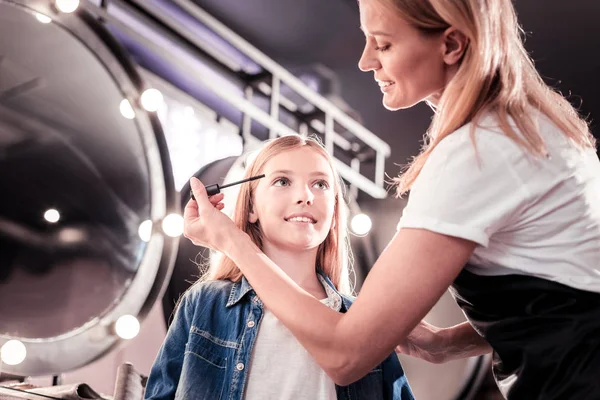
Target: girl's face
[408,65]
[294,204]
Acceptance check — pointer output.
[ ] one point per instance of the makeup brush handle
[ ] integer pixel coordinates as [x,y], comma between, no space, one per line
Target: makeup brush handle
[211,190]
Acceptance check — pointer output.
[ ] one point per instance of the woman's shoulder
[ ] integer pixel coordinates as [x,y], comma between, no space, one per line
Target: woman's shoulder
[484,134]
[482,147]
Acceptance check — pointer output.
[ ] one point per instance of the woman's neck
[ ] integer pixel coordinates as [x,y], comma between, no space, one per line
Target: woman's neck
[300,266]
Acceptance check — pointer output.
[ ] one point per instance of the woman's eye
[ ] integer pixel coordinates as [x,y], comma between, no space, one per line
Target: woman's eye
[281,182]
[382,48]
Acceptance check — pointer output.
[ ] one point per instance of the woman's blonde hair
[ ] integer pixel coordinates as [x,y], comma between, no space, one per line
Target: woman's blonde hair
[333,255]
[495,75]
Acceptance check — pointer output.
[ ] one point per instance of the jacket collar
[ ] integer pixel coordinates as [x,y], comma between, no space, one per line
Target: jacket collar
[242,287]
[239,289]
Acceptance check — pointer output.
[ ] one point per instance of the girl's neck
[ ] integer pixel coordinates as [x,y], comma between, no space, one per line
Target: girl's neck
[300,267]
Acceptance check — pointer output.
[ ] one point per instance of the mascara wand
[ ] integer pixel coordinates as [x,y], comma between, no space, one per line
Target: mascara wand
[211,190]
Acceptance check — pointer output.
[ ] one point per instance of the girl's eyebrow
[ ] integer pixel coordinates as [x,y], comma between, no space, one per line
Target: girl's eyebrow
[289,172]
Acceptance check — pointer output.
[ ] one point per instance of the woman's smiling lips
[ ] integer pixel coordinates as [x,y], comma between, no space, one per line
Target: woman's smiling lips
[384,85]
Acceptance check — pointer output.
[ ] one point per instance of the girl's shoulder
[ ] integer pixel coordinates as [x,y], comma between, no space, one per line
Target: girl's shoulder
[347,300]
[206,290]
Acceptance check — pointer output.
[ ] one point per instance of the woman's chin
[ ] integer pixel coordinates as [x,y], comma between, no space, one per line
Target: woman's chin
[395,104]
[392,105]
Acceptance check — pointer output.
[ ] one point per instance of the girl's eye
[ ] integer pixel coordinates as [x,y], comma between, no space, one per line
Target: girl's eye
[281,182]
[382,48]
[323,185]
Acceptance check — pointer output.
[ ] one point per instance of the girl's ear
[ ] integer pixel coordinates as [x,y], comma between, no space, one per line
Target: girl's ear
[252,217]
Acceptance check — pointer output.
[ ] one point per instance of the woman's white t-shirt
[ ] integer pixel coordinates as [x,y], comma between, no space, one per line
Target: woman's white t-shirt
[530,216]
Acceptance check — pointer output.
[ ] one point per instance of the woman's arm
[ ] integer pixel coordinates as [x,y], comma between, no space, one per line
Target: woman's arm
[406,281]
[440,345]
[463,341]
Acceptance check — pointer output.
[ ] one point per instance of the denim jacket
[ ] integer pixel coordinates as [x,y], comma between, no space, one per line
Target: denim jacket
[207,351]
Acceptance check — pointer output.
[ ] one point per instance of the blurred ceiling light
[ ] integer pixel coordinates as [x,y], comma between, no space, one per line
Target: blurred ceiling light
[152,99]
[127,327]
[44,19]
[361,224]
[67,6]
[126,109]
[172,225]
[145,230]
[52,215]
[13,352]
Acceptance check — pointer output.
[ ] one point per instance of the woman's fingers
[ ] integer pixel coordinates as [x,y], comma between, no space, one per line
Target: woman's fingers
[217,198]
[191,210]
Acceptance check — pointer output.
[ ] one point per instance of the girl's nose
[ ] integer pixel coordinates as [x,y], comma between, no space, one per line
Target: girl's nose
[305,196]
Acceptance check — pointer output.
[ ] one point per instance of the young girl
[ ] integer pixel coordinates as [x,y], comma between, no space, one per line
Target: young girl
[223,343]
[504,207]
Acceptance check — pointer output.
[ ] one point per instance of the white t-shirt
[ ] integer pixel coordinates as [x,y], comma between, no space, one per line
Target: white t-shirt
[530,216]
[281,368]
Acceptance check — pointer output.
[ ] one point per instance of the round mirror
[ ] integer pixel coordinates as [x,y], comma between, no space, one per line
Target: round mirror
[82,166]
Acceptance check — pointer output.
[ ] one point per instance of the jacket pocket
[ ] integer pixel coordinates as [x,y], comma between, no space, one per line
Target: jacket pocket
[209,348]
[204,372]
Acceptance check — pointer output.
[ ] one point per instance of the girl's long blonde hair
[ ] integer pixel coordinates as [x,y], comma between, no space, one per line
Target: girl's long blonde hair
[333,255]
[495,75]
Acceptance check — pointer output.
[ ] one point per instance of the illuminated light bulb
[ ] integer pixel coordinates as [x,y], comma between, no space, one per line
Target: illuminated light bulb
[67,6]
[44,19]
[126,109]
[52,216]
[172,225]
[127,327]
[151,99]
[13,352]
[361,224]
[145,230]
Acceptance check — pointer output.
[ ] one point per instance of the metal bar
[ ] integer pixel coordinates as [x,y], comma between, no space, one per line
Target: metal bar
[231,94]
[176,26]
[360,181]
[303,129]
[355,165]
[329,133]
[275,87]
[294,83]
[338,139]
[246,119]
[379,170]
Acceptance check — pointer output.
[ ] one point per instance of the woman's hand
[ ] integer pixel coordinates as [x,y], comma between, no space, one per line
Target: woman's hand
[203,222]
[440,345]
[426,342]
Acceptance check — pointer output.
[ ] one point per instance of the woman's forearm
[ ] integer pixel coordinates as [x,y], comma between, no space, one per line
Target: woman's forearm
[462,341]
[390,305]
[313,324]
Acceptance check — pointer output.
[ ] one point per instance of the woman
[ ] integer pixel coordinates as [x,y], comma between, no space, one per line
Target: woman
[504,209]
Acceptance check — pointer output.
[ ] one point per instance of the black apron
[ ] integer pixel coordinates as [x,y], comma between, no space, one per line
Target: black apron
[545,335]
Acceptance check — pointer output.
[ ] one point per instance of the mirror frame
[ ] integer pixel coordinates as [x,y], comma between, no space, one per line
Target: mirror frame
[84,344]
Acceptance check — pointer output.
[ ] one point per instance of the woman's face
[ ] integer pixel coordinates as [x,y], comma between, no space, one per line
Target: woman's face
[407,64]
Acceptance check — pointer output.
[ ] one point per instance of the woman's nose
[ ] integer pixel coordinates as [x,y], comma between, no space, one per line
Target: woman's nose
[368,62]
